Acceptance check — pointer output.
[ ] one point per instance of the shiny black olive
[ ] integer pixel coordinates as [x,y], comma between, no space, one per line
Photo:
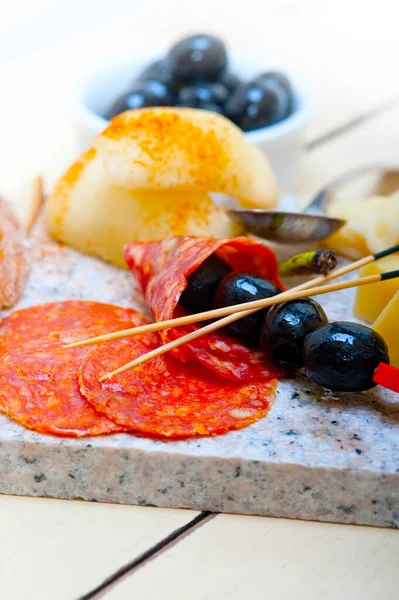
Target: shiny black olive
[197,58]
[159,71]
[159,89]
[202,284]
[203,93]
[237,288]
[278,80]
[142,94]
[230,80]
[211,106]
[253,106]
[343,356]
[274,78]
[284,330]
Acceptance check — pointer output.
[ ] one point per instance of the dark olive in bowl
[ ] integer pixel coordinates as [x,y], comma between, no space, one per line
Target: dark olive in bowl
[200,57]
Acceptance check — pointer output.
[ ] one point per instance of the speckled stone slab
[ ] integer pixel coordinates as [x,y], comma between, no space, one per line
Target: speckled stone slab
[317,455]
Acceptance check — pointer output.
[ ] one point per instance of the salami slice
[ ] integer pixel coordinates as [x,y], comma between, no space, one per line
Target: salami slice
[38,377]
[53,317]
[14,262]
[39,389]
[162,268]
[165,398]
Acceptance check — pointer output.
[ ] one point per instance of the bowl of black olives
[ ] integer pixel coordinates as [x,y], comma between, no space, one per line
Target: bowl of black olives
[270,104]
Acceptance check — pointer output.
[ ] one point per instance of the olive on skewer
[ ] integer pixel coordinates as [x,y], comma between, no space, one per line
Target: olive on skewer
[237,288]
[343,356]
[203,282]
[285,328]
[339,356]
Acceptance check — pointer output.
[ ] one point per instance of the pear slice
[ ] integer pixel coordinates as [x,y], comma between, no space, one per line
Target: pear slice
[89,212]
[186,149]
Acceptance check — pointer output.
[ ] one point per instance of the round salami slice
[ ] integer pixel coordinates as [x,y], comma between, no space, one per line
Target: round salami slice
[165,398]
[39,389]
[38,377]
[54,317]
[162,268]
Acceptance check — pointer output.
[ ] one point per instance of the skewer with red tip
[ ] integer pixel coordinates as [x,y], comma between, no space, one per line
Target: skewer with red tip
[387,376]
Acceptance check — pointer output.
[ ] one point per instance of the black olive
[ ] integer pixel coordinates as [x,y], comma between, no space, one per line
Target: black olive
[229,80]
[143,94]
[252,105]
[159,89]
[201,93]
[237,288]
[284,330]
[198,58]
[158,71]
[343,356]
[202,284]
[275,78]
[209,106]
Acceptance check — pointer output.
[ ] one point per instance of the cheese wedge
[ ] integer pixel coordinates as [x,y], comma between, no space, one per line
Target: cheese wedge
[387,325]
[372,225]
[372,299]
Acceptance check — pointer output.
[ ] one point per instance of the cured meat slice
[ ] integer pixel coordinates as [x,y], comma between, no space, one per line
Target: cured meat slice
[14,265]
[162,268]
[39,389]
[165,398]
[38,377]
[53,317]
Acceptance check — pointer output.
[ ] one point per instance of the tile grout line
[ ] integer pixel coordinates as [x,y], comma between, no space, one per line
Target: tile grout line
[167,542]
[178,534]
[352,124]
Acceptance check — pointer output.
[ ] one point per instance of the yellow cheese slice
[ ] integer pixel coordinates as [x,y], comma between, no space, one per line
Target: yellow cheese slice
[372,299]
[372,225]
[387,325]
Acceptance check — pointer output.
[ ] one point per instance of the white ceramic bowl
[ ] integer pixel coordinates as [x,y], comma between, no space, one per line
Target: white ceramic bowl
[283,142]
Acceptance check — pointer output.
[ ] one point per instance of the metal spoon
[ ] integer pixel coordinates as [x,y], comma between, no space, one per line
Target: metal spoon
[287,228]
[312,224]
[290,228]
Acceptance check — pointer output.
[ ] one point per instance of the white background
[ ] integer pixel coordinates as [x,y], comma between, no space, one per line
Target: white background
[348,48]
[31,25]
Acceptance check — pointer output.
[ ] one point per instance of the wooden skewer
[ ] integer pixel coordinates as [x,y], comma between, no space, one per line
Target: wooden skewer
[293,295]
[205,316]
[38,198]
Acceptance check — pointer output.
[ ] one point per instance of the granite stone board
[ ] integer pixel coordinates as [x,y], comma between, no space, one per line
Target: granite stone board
[317,455]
